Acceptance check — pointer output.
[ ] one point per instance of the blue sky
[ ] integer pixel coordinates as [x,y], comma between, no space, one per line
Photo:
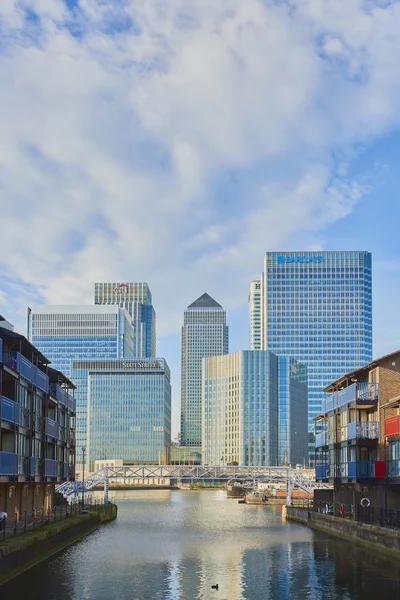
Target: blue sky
[175,142]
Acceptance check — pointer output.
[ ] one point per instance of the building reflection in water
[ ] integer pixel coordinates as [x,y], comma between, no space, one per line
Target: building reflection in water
[176,545]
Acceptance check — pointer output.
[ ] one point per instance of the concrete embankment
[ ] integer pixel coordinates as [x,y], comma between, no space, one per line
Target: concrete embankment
[380,539]
[23,551]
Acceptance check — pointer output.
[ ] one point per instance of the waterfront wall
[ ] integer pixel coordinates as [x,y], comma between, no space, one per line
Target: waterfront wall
[22,552]
[381,539]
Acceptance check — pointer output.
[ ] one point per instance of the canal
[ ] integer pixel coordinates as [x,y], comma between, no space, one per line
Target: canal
[168,545]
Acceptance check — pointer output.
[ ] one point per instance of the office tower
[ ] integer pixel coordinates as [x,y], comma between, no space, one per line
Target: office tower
[37,417]
[137,300]
[255,315]
[317,308]
[67,333]
[129,409]
[254,409]
[204,333]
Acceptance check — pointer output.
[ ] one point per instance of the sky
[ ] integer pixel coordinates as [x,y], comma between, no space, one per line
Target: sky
[176,141]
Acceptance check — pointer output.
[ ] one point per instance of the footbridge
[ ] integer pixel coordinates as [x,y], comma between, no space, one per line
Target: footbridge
[192,474]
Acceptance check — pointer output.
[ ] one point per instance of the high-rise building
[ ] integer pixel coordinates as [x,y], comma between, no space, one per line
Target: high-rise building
[254,409]
[129,409]
[37,418]
[255,314]
[67,333]
[317,308]
[137,300]
[204,333]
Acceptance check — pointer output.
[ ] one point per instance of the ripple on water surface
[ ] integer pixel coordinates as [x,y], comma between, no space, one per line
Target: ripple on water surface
[172,545]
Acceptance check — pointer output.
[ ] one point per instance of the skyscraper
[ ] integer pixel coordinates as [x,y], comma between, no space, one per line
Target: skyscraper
[137,300]
[204,333]
[129,409]
[67,333]
[254,409]
[255,314]
[317,308]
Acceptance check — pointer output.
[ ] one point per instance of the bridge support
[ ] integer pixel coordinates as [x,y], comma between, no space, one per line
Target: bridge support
[106,490]
[288,489]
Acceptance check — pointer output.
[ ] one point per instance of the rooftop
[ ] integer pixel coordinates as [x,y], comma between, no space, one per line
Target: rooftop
[205,301]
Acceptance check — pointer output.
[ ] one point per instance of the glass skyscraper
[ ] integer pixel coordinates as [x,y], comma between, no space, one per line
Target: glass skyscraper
[254,409]
[129,409]
[67,333]
[317,308]
[204,333]
[137,300]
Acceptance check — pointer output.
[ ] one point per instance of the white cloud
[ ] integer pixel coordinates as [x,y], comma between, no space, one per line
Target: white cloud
[178,150]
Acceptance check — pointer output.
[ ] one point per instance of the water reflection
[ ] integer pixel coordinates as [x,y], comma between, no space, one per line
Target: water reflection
[176,545]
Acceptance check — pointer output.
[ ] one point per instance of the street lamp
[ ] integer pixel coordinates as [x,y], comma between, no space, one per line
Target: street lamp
[83,475]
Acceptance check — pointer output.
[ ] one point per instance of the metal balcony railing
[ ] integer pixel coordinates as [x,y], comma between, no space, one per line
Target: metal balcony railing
[8,463]
[50,467]
[362,393]
[28,370]
[321,472]
[51,428]
[394,468]
[368,430]
[361,469]
[9,410]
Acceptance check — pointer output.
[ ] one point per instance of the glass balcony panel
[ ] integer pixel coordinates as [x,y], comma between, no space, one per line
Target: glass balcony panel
[321,439]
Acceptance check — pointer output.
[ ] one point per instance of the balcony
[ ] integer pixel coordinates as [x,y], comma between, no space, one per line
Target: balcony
[51,428]
[321,472]
[8,463]
[50,467]
[361,469]
[321,439]
[26,369]
[363,430]
[63,396]
[392,426]
[362,393]
[9,410]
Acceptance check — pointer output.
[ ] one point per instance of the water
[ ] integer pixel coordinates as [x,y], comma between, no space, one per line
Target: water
[172,545]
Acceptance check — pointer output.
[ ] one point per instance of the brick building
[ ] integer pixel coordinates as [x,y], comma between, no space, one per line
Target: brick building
[37,417]
[358,449]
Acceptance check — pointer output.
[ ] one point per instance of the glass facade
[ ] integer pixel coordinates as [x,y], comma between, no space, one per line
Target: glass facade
[136,298]
[254,409]
[204,333]
[317,308]
[67,333]
[129,409]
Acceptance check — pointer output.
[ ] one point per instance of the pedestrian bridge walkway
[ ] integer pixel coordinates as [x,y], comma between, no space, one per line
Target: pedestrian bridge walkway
[192,474]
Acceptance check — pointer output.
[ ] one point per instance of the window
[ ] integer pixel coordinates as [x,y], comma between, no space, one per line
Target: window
[11,492]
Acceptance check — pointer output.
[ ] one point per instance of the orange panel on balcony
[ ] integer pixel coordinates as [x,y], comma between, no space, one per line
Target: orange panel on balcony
[392,425]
